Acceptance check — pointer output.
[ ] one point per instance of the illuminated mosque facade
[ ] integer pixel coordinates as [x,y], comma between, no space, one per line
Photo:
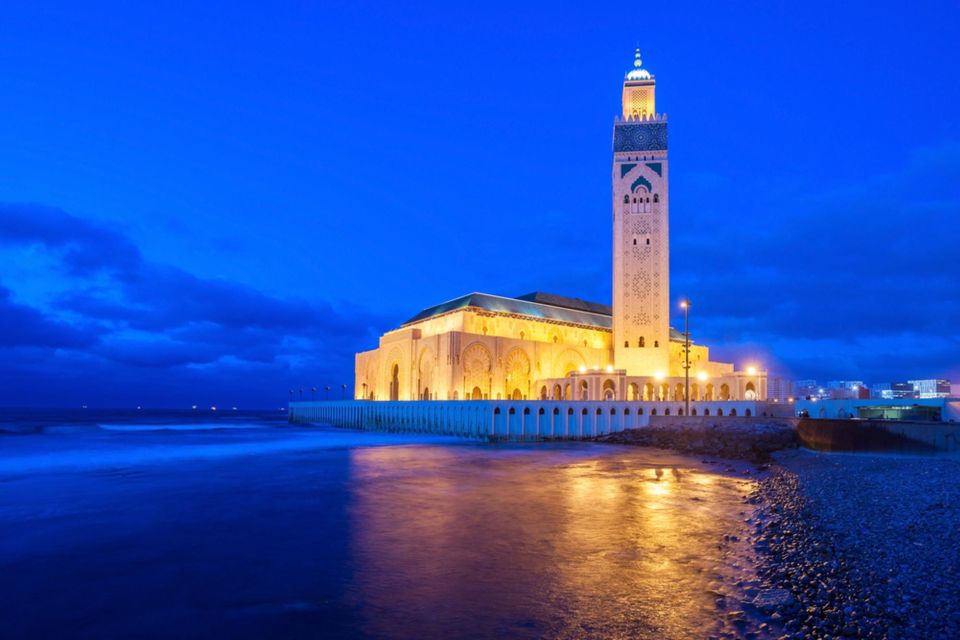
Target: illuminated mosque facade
[542,346]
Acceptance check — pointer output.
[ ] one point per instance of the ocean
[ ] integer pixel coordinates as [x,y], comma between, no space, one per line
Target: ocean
[195,524]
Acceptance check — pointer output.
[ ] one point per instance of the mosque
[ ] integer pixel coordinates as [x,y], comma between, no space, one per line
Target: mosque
[542,346]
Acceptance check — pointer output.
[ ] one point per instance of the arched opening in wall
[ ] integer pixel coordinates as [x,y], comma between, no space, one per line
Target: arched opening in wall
[626,411]
[526,411]
[724,391]
[747,413]
[694,392]
[750,392]
[656,197]
[516,395]
[679,412]
[395,382]
[719,412]
[666,411]
[678,392]
[456,395]
[656,343]
[556,411]
[543,392]
[664,392]
[541,411]
[557,392]
[641,342]
[653,411]
[476,394]
[640,411]
[496,411]
[426,394]
[609,390]
[708,395]
[626,199]
[648,392]
[584,390]
[634,391]
[693,411]
[706,412]
[570,411]
[513,411]
[733,412]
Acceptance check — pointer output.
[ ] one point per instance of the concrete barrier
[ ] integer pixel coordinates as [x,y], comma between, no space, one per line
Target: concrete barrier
[513,420]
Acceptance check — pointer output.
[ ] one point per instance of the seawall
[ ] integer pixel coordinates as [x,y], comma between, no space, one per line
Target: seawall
[507,419]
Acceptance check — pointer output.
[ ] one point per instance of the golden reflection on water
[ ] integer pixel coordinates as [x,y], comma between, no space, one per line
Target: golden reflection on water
[569,542]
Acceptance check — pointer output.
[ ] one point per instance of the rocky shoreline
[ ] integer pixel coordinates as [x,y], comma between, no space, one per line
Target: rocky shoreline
[860,546]
[745,439]
[844,545]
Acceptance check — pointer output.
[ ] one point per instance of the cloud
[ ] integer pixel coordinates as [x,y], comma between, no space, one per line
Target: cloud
[858,271]
[84,246]
[127,317]
[24,326]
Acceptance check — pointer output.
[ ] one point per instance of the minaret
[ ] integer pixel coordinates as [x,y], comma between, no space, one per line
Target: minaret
[641,258]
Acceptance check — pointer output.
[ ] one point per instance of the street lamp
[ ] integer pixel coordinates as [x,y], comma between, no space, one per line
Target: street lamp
[685,305]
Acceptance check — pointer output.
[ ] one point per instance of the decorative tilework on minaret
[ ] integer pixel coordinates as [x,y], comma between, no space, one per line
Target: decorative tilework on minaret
[641,250]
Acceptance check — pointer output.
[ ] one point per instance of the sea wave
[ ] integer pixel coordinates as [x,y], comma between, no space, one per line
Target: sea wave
[198,426]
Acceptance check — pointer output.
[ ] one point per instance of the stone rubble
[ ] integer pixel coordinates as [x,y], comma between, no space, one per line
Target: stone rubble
[754,440]
[859,546]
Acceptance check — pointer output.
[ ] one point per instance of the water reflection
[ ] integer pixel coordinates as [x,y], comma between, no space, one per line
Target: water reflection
[563,542]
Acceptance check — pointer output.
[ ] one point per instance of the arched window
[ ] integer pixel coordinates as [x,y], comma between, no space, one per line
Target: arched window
[693,411]
[648,241]
[598,411]
[733,412]
[512,411]
[706,412]
[634,242]
[719,412]
[656,343]
[747,413]
[656,197]
[653,411]
[556,411]
[641,342]
[570,411]
[640,411]
[540,412]
[584,412]
[626,411]
[626,199]
[666,411]
[496,411]
[526,411]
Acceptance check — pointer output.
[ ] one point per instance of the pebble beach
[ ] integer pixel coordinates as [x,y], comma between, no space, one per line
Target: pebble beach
[859,546]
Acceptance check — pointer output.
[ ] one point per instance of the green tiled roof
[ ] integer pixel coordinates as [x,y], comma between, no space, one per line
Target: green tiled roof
[536,305]
[535,310]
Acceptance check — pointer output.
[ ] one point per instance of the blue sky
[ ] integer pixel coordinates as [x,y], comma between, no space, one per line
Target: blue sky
[216,203]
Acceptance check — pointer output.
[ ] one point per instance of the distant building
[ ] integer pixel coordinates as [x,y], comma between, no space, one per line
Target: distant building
[881,391]
[779,388]
[902,390]
[846,389]
[806,389]
[932,388]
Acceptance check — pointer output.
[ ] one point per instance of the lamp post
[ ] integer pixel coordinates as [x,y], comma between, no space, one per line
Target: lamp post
[685,305]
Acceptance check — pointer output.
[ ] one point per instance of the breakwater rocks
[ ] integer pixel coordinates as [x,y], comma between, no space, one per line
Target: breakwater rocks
[856,546]
[753,439]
